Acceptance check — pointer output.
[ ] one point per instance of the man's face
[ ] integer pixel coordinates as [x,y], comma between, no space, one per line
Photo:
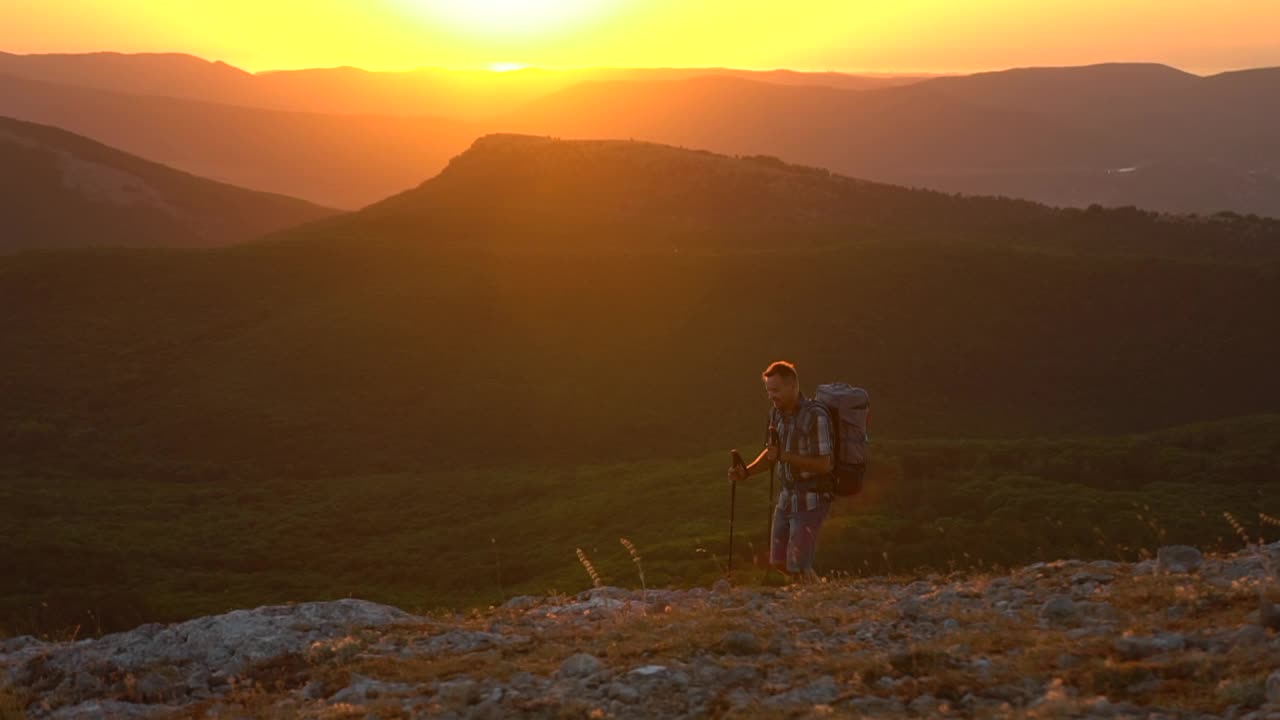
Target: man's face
[782,391]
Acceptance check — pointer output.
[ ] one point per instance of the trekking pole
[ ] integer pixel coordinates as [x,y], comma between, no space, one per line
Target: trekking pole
[733,503]
[775,442]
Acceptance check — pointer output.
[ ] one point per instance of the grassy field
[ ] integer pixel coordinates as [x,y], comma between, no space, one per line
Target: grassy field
[106,555]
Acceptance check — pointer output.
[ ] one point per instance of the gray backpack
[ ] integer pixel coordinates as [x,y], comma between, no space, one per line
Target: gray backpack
[849,407]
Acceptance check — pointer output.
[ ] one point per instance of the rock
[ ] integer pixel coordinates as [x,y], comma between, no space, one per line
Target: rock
[1273,687]
[1137,647]
[1248,636]
[812,637]
[923,705]
[597,607]
[113,709]
[622,693]
[1092,576]
[721,586]
[155,687]
[740,675]
[197,682]
[739,698]
[522,602]
[22,642]
[160,657]
[1067,661]
[821,692]
[1059,610]
[910,609]
[488,710]
[950,625]
[740,642]
[580,665]
[780,644]
[1268,614]
[362,688]
[313,690]
[877,707]
[606,592]
[461,642]
[1178,559]
[1098,612]
[458,693]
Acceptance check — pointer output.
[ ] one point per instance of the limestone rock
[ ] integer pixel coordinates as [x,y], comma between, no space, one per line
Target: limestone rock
[1059,610]
[1178,559]
[1139,647]
[161,658]
[740,642]
[580,665]
[1273,687]
[821,692]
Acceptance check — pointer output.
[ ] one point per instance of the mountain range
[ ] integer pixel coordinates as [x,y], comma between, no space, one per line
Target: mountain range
[1114,134]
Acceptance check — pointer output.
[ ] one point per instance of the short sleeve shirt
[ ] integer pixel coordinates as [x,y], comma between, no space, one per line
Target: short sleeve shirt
[806,432]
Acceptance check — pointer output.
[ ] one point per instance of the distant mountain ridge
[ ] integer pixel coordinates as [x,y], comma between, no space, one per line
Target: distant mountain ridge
[62,190]
[1114,134]
[341,161]
[460,94]
[1055,135]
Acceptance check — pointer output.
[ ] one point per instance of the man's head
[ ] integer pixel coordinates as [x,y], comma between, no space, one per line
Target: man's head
[782,385]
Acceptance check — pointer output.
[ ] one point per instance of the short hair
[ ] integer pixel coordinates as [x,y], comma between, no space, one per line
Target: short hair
[782,368]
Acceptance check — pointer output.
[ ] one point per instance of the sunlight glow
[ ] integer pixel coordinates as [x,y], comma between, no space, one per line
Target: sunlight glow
[506,66]
[841,35]
[513,17]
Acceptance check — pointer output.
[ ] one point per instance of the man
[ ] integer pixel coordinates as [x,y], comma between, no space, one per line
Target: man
[799,445]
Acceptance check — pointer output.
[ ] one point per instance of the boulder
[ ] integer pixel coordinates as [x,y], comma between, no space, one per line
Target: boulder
[1178,559]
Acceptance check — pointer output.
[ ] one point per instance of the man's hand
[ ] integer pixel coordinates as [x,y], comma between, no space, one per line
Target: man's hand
[772,453]
[737,473]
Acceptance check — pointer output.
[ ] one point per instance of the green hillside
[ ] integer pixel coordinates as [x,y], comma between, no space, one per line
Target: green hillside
[111,555]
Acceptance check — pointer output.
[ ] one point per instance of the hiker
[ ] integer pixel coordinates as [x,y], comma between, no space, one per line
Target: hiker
[799,445]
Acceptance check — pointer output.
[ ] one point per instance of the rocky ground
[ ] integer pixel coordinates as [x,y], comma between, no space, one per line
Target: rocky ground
[1181,636]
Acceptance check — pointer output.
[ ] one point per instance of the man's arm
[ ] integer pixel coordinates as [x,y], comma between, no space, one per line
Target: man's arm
[761,463]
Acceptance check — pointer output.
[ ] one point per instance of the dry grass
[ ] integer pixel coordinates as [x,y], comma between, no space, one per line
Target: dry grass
[635,558]
[591,570]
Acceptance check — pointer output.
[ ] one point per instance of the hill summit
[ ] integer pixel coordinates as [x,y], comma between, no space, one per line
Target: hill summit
[510,191]
[1179,636]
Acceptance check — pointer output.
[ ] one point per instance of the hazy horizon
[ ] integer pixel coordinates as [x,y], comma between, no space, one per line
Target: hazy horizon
[502,68]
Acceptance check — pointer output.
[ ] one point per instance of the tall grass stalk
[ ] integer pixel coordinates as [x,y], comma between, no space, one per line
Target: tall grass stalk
[635,558]
[591,570]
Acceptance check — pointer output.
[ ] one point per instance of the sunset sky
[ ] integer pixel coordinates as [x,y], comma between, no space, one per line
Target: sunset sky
[843,35]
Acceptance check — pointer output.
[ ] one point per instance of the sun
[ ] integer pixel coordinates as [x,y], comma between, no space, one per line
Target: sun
[513,17]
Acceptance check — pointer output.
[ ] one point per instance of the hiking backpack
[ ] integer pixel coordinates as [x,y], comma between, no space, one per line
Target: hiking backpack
[849,408]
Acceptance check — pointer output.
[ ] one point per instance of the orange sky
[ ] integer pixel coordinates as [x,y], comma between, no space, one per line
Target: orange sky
[850,35]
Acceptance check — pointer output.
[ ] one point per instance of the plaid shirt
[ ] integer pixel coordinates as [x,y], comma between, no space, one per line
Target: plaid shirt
[806,432]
